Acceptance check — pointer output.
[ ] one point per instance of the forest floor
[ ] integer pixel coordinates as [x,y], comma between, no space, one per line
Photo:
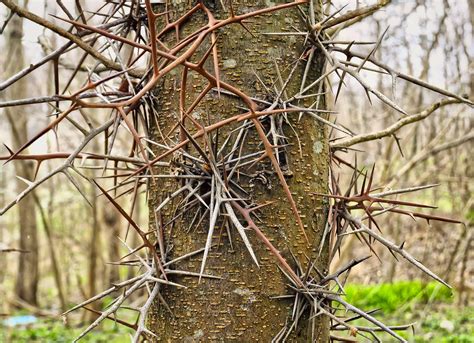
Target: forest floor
[432,309]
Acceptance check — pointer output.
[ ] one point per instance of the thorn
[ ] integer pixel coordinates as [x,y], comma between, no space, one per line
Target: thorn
[10,151]
[253,209]
[38,164]
[29,183]
[246,28]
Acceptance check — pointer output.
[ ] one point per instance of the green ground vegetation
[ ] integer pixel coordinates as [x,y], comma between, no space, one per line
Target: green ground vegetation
[430,306]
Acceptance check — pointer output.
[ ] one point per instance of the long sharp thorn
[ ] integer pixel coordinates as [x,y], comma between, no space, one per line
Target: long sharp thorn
[135,226]
[212,222]
[241,231]
[281,177]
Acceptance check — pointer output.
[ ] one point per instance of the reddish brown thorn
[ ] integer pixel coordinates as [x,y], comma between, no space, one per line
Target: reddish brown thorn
[182,103]
[10,151]
[255,208]
[135,137]
[114,318]
[246,214]
[152,29]
[206,54]
[134,251]
[426,216]
[371,178]
[215,60]
[38,164]
[139,231]
[246,28]
[231,9]
[42,132]
[276,166]
[258,160]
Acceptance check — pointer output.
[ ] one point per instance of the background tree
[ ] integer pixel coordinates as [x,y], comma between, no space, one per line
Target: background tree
[28,273]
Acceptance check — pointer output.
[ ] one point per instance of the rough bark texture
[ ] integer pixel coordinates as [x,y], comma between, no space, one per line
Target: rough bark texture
[240,306]
[27,276]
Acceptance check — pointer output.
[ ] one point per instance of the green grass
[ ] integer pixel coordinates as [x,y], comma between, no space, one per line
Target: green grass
[429,305]
[389,297]
[460,322]
[55,331]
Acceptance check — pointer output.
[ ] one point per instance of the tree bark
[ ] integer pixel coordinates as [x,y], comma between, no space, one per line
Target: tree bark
[27,276]
[112,223]
[52,253]
[94,276]
[241,306]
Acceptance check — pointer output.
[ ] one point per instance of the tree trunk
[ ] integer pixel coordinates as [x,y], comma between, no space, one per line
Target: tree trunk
[112,224]
[241,306]
[27,277]
[94,277]
[52,253]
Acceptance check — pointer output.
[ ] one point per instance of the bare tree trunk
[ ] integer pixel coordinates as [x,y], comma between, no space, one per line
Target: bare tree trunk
[27,277]
[52,254]
[113,230]
[94,246]
[241,306]
[3,235]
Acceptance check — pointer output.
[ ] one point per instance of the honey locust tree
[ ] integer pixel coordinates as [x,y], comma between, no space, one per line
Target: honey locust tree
[278,72]
[223,107]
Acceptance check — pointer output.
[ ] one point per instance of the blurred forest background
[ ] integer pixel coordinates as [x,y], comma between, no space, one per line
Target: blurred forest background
[75,245]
